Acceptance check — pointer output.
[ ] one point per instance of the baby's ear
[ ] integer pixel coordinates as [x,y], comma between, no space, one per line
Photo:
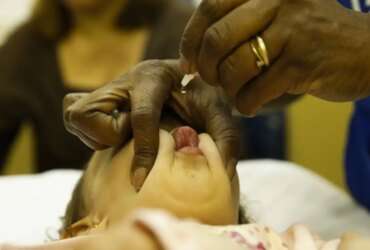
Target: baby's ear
[352,241]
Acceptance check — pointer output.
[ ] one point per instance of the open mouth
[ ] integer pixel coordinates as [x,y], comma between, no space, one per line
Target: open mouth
[186,140]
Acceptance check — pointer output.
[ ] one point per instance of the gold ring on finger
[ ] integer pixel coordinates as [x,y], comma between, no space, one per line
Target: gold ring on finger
[259,49]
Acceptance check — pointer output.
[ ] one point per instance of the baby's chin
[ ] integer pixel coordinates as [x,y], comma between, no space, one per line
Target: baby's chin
[182,173]
[188,175]
[190,183]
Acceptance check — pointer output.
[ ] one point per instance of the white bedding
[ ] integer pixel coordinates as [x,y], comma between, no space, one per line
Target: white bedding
[276,193]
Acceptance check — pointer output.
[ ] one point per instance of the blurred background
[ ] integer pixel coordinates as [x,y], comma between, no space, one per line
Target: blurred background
[314,132]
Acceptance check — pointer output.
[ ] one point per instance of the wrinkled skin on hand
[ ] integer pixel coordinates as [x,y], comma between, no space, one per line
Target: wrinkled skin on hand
[139,97]
[316,47]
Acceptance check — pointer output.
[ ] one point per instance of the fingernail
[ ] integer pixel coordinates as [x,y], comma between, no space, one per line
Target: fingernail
[139,177]
[252,113]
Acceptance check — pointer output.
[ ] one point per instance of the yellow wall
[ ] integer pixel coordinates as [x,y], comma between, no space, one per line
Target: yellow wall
[22,158]
[317,133]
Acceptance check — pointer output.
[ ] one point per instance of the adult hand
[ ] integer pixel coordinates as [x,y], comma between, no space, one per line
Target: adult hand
[315,47]
[134,102]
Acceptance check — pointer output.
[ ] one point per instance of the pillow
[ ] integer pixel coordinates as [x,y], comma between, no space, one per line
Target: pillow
[31,206]
[279,194]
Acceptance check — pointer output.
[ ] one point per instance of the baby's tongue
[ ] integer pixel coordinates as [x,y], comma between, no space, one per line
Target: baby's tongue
[186,140]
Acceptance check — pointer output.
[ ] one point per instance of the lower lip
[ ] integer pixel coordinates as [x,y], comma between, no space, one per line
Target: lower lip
[190,150]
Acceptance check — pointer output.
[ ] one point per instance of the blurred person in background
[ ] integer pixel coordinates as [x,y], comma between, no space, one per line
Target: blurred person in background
[76,45]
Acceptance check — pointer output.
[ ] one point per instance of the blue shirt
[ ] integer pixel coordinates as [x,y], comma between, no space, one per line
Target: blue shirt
[359,5]
[357,160]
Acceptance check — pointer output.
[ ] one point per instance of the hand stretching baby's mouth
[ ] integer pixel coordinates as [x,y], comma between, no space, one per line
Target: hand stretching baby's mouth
[186,140]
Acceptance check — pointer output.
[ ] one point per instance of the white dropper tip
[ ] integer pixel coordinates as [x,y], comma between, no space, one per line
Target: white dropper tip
[185,81]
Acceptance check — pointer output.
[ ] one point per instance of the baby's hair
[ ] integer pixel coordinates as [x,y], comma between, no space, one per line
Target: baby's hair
[244,215]
[243,218]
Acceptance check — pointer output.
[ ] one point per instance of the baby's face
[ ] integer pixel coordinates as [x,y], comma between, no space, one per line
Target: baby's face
[188,179]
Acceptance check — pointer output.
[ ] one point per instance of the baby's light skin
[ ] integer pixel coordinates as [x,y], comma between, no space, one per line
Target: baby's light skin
[185,184]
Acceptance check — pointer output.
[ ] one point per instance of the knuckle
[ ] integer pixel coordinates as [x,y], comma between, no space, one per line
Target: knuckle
[228,69]
[144,156]
[74,110]
[145,153]
[68,114]
[231,143]
[213,41]
[74,115]
[76,96]
[144,114]
[120,80]
[68,100]
[210,8]
[154,63]
[228,133]
[157,69]
[141,113]
[148,65]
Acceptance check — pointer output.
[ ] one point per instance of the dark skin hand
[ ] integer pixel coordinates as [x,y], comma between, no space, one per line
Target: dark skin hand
[134,103]
[316,47]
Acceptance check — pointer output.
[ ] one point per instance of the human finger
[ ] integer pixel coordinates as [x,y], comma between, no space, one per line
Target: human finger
[68,101]
[273,83]
[208,12]
[147,100]
[100,119]
[223,130]
[223,37]
[241,66]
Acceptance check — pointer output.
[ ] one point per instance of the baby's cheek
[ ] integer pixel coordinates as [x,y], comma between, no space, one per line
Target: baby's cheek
[182,182]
